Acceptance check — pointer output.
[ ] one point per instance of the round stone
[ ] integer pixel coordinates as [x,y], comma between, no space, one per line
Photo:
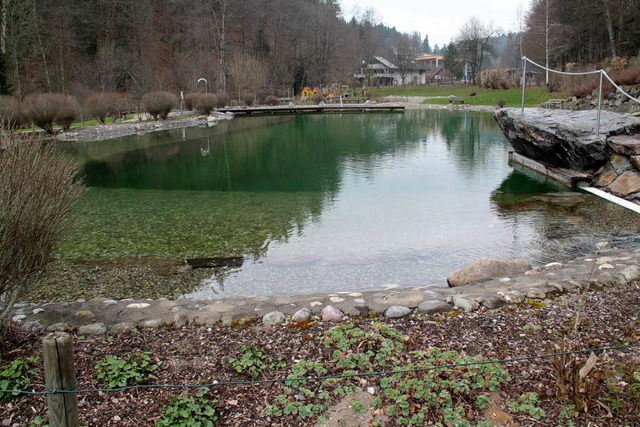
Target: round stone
[433,307]
[153,323]
[274,318]
[397,311]
[139,305]
[465,304]
[84,315]
[93,329]
[331,314]
[301,315]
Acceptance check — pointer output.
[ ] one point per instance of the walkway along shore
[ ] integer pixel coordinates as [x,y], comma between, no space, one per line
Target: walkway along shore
[609,267]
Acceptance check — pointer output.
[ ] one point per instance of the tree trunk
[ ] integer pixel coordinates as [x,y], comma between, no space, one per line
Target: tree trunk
[612,36]
[44,56]
[3,31]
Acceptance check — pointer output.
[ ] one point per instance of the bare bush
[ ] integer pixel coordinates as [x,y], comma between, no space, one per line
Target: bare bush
[11,116]
[159,104]
[41,109]
[248,99]
[190,100]
[205,103]
[583,90]
[45,109]
[102,105]
[628,77]
[499,79]
[39,188]
[68,110]
[223,100]
[271,100]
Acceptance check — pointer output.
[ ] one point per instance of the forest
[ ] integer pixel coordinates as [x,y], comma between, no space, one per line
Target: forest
[78,47]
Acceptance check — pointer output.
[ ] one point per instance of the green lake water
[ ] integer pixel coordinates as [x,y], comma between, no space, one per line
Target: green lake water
[329,202]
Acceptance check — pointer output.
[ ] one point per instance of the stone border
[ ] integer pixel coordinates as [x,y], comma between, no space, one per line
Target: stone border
[609,267]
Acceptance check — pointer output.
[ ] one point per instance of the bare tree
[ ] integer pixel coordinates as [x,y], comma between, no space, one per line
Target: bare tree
[220,11]
[247,72]
[475,43]
[405,51]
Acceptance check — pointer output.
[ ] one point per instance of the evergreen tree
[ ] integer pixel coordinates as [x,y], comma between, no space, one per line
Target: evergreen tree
[426,47]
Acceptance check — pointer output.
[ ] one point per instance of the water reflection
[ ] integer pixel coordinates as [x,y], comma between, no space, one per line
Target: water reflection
[318,202]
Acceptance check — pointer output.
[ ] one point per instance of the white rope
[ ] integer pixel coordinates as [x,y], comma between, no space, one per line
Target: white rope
[604,73]
[564,73]
[586,73]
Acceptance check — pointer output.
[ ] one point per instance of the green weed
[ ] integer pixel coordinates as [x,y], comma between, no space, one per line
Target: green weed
[131,369]
[16,375]
[189,411]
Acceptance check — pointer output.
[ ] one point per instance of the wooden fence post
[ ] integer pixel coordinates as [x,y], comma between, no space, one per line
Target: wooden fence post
[60,375]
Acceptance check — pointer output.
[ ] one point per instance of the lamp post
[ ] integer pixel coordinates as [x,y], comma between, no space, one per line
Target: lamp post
[206,84]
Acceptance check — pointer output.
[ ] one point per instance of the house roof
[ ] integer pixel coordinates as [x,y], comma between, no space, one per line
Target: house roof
[385,62]
[429,56]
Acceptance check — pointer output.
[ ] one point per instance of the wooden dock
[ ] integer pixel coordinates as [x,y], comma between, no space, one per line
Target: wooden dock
[313,109]
[567,177]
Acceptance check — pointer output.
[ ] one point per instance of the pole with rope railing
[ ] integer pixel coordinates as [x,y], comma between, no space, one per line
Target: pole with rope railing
[603,74]
[524,80]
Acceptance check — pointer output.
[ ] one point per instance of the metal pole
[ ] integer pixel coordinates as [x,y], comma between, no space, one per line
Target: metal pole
[599,104]
[524,79]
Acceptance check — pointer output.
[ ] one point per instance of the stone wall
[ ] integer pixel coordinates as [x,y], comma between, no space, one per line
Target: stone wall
[615,102]
[621,175]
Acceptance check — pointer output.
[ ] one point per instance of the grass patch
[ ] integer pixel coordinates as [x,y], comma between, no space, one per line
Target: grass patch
[512,97]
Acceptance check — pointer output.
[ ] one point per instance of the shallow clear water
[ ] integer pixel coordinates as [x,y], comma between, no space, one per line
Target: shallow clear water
[329,202]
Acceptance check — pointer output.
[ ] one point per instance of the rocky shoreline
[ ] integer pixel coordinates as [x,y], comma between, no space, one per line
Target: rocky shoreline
[607,267]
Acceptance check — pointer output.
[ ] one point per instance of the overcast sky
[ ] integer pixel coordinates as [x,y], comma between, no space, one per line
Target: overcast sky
[439,19]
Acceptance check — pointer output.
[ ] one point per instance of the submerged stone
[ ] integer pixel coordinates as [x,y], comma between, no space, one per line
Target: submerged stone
[487,269]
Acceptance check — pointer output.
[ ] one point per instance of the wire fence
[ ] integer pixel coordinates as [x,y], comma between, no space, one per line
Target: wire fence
[326,377]
[603,75]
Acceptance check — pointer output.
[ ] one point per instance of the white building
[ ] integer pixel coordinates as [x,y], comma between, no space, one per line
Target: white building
[378,71]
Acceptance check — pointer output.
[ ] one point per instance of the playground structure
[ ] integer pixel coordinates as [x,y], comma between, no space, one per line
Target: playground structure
[335,94]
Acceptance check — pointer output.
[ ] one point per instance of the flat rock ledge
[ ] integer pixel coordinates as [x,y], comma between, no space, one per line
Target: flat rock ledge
[609,267]
[564,138]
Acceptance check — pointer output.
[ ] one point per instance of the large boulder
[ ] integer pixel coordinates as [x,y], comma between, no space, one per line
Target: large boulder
[487,269]
[564,138]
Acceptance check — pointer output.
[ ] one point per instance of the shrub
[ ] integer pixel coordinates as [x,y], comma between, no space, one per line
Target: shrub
[41,109]
[261,96]
[190,100]
[271,100]
[248,99]
[583,90]
[159,104]
[39,188]
[316,98]
[67,110]
[223,99]
[204,103]
[627,77]
[102,105]
[11,116]
[45,109]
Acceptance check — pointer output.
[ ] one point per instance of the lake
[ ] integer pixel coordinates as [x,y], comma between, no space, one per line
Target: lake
[327,203]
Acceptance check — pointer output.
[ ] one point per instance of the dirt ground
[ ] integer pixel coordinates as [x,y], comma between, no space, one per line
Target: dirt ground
[201,355]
